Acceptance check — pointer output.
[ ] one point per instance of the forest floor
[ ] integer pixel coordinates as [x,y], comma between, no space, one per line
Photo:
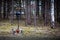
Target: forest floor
[29,32]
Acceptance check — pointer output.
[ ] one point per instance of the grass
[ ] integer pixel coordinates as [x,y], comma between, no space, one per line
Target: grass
[29,31]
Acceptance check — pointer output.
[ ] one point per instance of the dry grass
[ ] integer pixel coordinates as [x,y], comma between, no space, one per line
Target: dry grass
[29,30]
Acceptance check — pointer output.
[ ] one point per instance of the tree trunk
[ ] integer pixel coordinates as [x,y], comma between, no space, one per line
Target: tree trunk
[52,14]
[0,9]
